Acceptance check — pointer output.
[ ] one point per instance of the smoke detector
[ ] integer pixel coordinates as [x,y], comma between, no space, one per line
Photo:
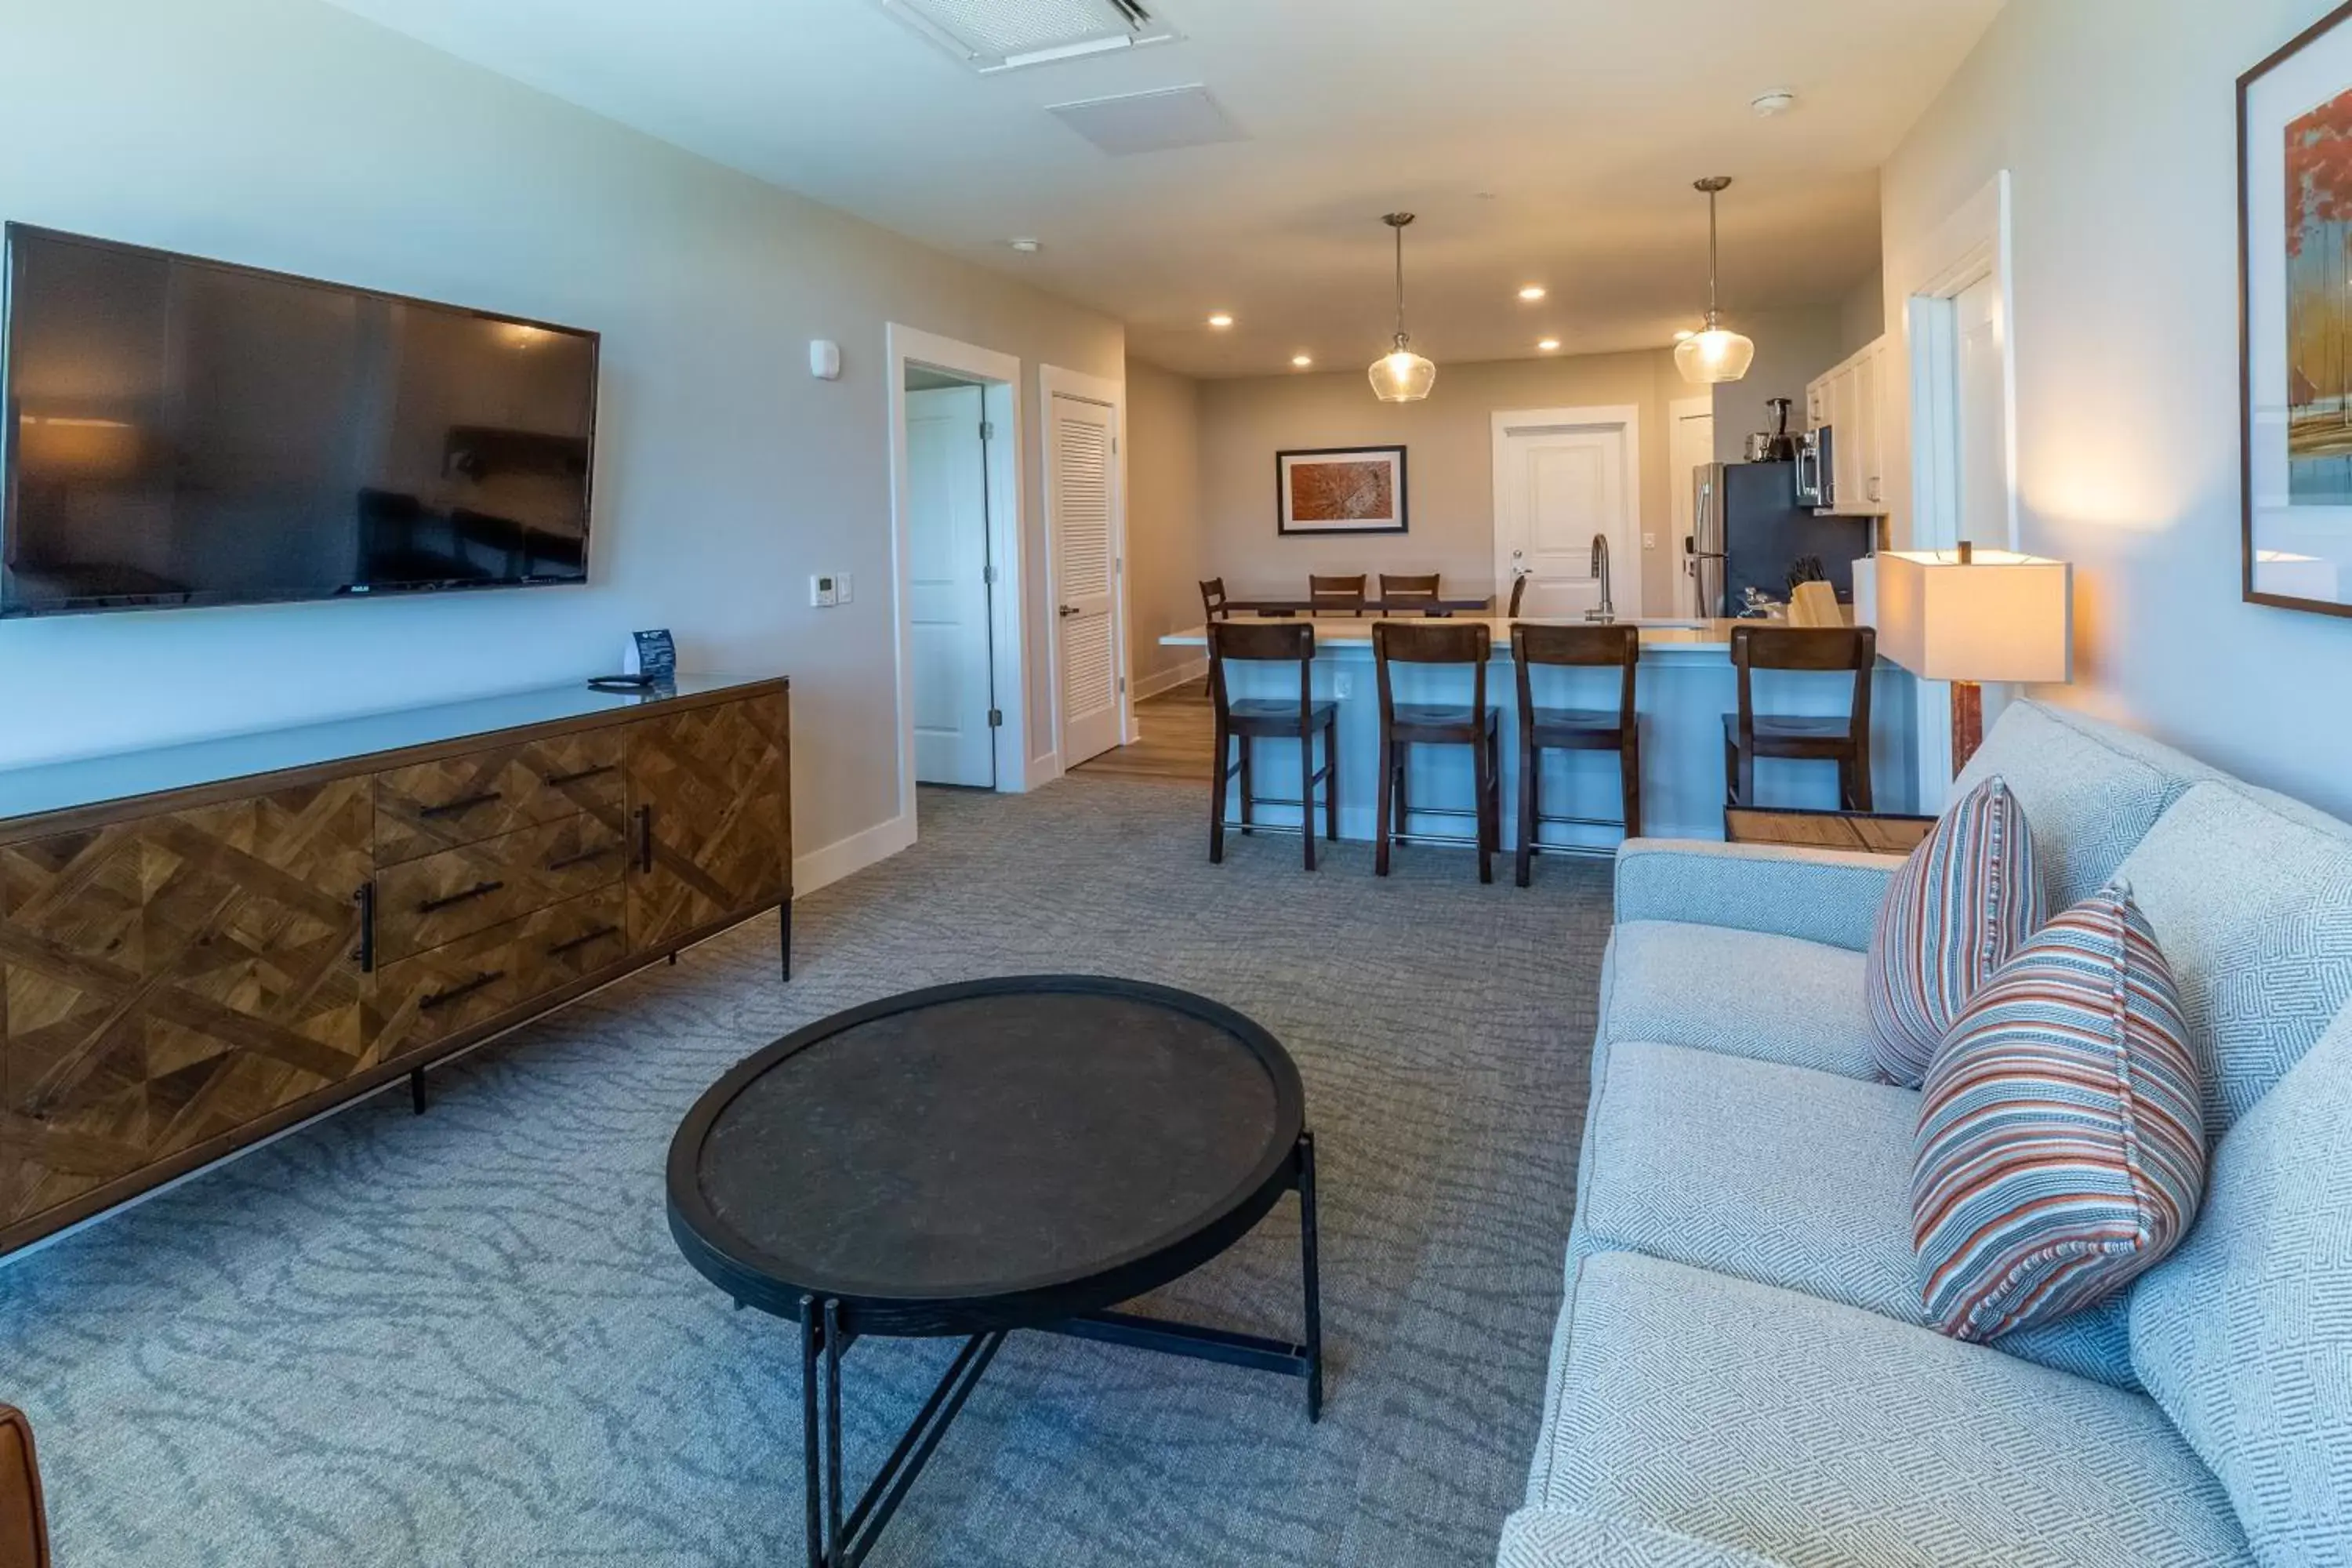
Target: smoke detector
[1772,104]
[992,35]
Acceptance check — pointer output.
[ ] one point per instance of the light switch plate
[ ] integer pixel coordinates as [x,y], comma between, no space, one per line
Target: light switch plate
[844,588]
[1649,541]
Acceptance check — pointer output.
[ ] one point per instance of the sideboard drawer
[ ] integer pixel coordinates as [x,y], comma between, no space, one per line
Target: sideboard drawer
[435,994]
[427,903]
[439,805]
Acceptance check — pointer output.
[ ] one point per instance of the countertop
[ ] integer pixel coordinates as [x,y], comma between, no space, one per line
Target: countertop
[1348,634]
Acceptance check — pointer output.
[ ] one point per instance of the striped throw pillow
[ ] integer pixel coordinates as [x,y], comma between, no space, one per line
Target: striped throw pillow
[2062,1136]
[1964,901]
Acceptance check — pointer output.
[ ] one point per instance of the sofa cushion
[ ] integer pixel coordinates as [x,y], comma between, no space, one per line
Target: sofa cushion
[2091,791]
[1965,901]
[1784,1176]
[1820,1436]
[2253,905]
[1570,1538]
[2244,1335]
[1742,993]
[2061,1146]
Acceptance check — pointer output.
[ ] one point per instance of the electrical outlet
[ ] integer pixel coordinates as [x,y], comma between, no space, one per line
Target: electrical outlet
[1649,541]
[843,589]
[822,592]
[1343,685]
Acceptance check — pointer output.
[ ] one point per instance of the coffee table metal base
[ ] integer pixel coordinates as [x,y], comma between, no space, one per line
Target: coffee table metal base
[839,1539]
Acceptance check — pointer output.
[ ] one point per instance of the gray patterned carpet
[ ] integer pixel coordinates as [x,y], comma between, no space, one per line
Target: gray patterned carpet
[468,1338]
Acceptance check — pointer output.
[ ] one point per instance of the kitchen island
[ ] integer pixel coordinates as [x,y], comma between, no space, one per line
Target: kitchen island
[1685,687]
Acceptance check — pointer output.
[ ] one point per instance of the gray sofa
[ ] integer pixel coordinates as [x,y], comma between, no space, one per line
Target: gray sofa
[1740,1378]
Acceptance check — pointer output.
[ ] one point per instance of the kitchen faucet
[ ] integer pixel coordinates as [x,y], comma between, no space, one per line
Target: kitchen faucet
[1604,610]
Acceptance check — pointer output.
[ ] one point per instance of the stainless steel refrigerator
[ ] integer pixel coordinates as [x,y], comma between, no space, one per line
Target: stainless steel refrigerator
[1750,532]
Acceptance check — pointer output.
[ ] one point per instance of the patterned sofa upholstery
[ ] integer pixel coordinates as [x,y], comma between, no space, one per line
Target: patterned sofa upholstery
[1740,1377]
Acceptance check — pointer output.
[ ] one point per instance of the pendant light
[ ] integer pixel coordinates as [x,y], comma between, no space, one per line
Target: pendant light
[1401,375]
[1715,354]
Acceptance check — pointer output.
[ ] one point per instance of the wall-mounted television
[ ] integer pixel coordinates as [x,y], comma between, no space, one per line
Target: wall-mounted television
[182,432]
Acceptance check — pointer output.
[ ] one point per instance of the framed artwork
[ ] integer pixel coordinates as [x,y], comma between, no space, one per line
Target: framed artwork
[2295,250]
[1339,489]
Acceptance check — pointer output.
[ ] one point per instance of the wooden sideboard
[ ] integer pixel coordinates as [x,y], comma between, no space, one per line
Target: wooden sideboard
[202,945]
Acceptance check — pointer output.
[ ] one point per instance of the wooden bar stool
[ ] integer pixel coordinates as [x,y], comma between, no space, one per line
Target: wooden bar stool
[1213,608]
[1335,596]
[1575,729]
[1518,593]
[1414,594]
[1404,726]
[1747,734]
[1256,718]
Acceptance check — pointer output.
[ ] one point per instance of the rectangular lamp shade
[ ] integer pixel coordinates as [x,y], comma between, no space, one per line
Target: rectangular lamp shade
[2001,617]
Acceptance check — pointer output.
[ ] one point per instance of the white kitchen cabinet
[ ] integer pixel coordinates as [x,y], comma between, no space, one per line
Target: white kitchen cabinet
[1850,399]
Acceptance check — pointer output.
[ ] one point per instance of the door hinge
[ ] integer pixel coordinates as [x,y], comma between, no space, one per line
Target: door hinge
[996,718]
[1122,686]
[1114,446]
[987,430]
[988,575]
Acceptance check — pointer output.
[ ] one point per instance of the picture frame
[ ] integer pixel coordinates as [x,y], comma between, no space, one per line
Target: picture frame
[1341,489]
[2294,321]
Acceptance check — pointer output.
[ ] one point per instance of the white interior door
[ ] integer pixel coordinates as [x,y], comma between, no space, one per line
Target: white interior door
[1690,446]
[1086,575]
[946,537]
[1555,488]
[1982,398]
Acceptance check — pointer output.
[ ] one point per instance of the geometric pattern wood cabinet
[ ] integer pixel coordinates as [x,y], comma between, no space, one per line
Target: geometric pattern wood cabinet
[188,971]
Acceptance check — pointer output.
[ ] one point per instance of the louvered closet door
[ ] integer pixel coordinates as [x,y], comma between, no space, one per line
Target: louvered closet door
[1085,577]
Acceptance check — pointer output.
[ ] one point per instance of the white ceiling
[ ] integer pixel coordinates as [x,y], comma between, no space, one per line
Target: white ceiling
[1551,141]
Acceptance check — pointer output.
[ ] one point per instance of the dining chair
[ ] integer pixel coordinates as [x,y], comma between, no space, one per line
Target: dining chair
[1519,591]
[1336,595]
[1845,741]
[1414,595]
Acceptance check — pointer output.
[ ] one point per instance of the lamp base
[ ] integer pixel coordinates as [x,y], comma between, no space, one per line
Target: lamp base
[1967,722]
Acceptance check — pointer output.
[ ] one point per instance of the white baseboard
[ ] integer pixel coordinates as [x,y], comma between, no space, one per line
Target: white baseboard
[1044,770]
[847,857]
[1169,679]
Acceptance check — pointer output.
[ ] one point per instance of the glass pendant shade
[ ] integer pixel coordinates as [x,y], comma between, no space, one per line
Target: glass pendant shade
[1717,354]
[1402,375]
[1714,355]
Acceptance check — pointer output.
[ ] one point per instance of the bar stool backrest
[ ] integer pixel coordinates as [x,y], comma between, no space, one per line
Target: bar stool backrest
[1596,647]
[1401,591]
[1213,600]
[1518,593]
[1432,642]
[1829,649]
[1336,594]
[1274,642]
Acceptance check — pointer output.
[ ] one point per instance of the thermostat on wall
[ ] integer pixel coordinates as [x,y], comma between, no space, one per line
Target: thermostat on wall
[825,359]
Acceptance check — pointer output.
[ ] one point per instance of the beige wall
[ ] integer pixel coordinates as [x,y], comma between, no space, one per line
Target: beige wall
[1163,517]
[1862,319]
[2116,122]
[1792,347]
[286,135]
[1449,459]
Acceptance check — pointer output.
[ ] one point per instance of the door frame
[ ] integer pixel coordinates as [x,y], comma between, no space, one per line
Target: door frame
[1970,246]
[1678,410]
[1626,417]
[1000,378]
[1054,381]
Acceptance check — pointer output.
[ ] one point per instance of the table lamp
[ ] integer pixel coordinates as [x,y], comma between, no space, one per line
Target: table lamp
[1971,615]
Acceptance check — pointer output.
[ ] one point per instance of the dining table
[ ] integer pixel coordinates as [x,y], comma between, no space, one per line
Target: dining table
[1434,608]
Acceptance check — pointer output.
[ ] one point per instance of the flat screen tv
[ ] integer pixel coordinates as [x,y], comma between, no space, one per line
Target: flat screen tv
[182,432]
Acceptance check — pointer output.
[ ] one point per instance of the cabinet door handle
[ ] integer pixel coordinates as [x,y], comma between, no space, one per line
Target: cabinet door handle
[479,890]
[582,857]
[646,840]
[364,955]
[557,781]
[468,803]
[577,943]
[458,992]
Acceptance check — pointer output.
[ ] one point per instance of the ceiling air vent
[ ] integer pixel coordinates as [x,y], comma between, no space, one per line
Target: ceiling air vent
[1150,121]
[1004,34]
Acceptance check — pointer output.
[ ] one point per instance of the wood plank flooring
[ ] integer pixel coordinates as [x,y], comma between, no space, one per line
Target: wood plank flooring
[1179,738]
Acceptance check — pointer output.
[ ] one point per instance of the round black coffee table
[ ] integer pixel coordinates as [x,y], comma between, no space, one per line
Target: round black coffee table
[973,1159]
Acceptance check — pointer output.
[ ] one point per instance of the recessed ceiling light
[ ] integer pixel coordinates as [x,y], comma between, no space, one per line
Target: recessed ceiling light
[1549,345]
[1026,245]
[1533,291]
[1302,361]
[1684,336]
[1778,101]
[1221,320]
